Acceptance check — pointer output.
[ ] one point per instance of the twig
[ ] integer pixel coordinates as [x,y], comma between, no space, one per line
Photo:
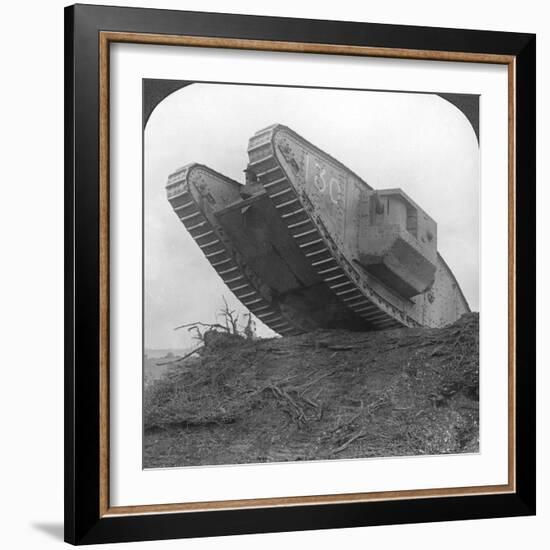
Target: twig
[316,396]
[181,358]
[211,325]
[349,442]
[282,393]
[308,385]
[340,424]
[336,427]
[310,402]
[171,362]
[288,378]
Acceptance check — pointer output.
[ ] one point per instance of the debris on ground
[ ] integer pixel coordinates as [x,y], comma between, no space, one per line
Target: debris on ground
[322,395]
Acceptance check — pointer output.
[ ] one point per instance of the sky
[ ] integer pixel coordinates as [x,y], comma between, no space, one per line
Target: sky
[417,142]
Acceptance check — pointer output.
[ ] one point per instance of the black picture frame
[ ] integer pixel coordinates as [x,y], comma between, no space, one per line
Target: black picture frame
[84,521]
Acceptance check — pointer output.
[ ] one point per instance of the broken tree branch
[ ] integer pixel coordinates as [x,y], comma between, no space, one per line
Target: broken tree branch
[210,325]
[180,358]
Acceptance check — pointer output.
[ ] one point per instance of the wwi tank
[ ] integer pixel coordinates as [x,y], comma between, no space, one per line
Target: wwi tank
[305,243]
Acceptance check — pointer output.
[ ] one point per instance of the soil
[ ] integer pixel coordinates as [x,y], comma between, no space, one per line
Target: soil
[317,396]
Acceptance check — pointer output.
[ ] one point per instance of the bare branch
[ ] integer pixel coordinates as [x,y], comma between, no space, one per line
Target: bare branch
[209,325]
[181,358]
[231,320]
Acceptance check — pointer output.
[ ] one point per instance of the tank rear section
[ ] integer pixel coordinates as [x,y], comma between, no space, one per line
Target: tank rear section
[197,194]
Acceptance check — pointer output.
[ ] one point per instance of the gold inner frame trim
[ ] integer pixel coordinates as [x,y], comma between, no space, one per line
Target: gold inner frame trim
[105,39]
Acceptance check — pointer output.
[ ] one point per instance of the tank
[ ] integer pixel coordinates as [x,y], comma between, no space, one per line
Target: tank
[305,243]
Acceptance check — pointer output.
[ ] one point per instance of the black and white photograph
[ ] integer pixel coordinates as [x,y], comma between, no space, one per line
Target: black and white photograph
[310,273]
[279,279]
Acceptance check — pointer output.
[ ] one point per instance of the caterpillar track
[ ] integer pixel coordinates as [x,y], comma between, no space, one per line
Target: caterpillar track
[186,200]
[307,244]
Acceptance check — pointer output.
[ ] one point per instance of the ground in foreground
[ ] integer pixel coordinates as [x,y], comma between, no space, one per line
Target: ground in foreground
[322,395]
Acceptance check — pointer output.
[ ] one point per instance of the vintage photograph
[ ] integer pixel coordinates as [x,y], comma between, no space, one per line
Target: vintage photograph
[310,273]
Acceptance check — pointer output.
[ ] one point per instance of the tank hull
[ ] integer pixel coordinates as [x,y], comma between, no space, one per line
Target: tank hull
[296,247]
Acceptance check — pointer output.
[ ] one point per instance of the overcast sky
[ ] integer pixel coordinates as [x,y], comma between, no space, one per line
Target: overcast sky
[418,142]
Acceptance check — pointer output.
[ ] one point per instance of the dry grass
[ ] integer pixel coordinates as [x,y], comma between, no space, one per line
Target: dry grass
[322,395]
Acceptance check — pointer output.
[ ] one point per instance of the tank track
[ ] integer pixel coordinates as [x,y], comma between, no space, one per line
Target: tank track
[310,235]
[220,254]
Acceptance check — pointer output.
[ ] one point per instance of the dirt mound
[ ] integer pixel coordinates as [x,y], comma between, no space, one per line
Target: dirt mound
[321,395]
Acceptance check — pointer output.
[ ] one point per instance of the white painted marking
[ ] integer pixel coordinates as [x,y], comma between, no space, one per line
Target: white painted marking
[184,205]
[297,236]
[194,215]
[196,226]
[217,253]
[316,241]
[211,243]
[285,204]
[279,193]
[292,213]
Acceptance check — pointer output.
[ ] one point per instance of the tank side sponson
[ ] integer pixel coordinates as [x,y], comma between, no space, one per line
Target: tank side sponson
[195,192]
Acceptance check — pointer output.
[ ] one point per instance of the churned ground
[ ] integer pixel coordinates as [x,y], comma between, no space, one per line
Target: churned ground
[321,395]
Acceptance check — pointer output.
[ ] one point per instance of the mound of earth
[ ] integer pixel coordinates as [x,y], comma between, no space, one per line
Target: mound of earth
[322,395]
